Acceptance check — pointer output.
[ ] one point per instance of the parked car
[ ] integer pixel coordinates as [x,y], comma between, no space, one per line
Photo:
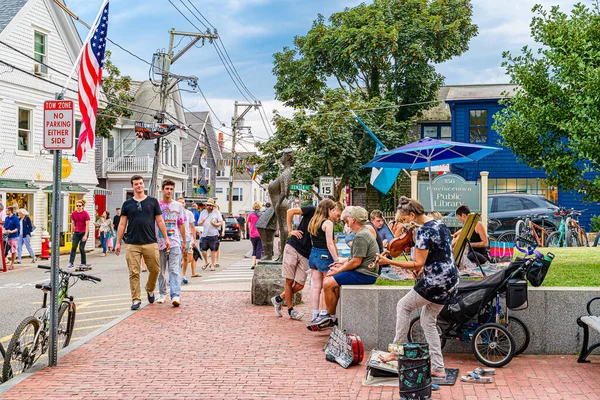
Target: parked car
[505,209]
[232,229]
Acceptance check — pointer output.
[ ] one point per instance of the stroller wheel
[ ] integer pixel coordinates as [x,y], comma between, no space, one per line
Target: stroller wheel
[416,334]
[520,334]
[493,345]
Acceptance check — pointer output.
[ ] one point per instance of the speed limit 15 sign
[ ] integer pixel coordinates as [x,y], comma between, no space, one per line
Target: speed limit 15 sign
[326,185]
[58,125]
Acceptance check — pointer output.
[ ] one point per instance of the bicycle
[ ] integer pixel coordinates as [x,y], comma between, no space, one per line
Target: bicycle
[530,230]
[558,238]
[575,234]
[31,338]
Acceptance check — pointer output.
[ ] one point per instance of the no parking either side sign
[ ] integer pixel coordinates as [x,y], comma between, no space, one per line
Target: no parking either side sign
[58,125]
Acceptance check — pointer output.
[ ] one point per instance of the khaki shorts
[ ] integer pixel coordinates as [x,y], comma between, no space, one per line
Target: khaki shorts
[294,265]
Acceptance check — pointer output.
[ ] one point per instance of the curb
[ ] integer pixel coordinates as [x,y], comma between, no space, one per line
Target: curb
[6,386]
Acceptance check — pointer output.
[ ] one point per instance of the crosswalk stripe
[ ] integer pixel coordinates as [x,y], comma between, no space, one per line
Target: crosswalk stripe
[226,279]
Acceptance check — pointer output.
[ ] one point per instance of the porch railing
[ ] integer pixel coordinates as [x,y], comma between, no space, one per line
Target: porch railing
[128,164]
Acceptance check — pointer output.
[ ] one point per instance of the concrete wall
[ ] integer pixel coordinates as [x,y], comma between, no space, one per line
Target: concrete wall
[370,311]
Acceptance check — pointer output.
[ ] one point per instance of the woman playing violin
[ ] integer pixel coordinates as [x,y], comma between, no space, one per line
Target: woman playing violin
[433,262]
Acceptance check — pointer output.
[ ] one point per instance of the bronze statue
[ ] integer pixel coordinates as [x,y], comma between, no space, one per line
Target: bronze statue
[279,191]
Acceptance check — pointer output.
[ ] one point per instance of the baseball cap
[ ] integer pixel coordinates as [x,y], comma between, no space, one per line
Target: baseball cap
[358,213]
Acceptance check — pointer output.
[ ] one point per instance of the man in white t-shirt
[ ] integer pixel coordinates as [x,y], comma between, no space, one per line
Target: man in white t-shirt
[190,239]
[211,221]
[173,214]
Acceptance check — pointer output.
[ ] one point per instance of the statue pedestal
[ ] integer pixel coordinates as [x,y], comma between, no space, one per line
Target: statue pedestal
[268,282]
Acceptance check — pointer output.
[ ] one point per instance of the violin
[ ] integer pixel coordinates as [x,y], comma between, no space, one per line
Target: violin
[401,243]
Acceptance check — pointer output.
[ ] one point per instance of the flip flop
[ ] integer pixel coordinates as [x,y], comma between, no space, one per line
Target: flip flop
[212,269]
[205,266]
[474,378]
[484,371]
[196,276]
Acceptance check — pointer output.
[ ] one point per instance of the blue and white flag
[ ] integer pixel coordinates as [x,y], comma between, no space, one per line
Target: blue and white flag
[382,179]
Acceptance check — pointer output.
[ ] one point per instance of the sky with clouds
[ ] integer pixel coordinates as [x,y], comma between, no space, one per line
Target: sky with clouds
[252,30]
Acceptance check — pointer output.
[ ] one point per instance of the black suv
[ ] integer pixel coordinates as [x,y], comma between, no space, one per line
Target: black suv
[232,229]
[506,209]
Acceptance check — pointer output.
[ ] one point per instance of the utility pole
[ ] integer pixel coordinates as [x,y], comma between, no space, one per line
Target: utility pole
[235,129]
[165,61]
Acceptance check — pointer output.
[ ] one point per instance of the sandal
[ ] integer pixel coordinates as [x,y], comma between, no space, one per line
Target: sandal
[196,276]
[212,269]
[472,377]
[217,265]
[205,266]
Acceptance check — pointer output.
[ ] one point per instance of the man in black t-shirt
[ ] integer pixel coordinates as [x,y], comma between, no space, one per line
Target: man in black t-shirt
[139,215]
[116,221]
[242,222]
[295,260]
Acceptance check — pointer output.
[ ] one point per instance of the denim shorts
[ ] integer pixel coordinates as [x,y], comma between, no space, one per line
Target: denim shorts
[317,260]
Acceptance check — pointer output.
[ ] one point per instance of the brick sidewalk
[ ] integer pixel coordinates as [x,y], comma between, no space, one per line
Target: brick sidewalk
[218,346]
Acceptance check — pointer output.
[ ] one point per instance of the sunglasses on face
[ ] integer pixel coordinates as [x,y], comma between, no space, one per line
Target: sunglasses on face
[79,205]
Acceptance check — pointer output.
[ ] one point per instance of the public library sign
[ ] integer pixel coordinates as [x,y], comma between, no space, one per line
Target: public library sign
[449,192]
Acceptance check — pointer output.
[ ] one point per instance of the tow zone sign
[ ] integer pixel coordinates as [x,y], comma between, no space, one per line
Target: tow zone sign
[58,125]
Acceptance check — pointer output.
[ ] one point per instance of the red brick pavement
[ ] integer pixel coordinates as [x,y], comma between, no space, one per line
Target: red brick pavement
[218,346]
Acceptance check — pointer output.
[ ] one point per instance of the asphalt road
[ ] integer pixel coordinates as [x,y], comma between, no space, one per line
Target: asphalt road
[97,304]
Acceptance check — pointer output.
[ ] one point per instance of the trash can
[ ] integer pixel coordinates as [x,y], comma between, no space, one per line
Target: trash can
[414,372]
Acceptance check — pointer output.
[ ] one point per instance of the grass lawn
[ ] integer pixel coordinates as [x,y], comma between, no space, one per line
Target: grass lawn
[572,266]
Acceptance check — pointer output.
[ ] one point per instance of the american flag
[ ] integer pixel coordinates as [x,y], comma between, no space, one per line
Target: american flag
[90,77]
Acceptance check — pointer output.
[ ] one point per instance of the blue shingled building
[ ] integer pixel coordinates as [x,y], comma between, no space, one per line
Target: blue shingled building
[472,109]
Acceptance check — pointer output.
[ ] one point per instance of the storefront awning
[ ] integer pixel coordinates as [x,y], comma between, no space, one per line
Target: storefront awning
[68,187]
[16,184]
[102,191]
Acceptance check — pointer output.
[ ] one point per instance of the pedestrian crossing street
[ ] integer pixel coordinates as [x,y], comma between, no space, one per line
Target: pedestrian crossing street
[238,272]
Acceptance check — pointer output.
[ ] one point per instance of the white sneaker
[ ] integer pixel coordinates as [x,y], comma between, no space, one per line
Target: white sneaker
[176,301]
[161,298]
[277,305]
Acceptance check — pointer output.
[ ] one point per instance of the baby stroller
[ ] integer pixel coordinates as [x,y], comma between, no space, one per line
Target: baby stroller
[477,316]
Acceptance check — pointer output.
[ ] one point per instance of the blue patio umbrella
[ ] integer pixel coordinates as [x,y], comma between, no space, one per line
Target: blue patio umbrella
[427,153]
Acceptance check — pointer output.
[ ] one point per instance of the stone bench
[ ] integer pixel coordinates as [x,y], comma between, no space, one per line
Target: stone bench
[370,311]
[587,322]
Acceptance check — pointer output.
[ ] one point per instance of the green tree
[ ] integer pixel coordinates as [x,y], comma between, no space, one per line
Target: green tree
[378,57]
[331,142]
[116,89]
[552,121]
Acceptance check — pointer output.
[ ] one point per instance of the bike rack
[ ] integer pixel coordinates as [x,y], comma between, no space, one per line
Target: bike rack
[4,267]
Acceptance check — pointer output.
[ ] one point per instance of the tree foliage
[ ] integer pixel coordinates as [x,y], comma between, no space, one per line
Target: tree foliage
[116,89]
[553,121]
[331,142]
[366,57]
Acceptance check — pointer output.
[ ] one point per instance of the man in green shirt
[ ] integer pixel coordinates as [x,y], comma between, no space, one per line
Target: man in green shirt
[355,271]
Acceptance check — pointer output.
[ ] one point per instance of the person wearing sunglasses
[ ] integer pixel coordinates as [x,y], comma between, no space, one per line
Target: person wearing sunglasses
[80,230]
[138,217]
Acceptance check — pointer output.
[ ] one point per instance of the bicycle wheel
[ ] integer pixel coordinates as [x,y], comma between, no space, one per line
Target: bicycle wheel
[416,334]
[22,350]
[584,239]
[493,345]
[520,333]
[66,321]
[571,238]
[519,227]
[508,237]
[554,240]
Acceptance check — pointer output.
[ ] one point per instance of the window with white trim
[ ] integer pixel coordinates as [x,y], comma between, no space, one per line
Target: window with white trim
[110,147]
[174,155]
[76,135]
[238,194]
[40,53]
[24,130]
[128,147]
[195,174]
[207,174]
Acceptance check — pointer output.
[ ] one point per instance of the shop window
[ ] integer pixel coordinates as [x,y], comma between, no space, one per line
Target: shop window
[21,200]
[24,131]
[478,126]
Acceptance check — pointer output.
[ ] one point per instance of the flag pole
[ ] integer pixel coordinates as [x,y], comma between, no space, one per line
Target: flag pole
[89,36]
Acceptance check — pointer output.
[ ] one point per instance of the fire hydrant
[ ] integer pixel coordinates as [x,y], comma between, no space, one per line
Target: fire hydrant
[45,245]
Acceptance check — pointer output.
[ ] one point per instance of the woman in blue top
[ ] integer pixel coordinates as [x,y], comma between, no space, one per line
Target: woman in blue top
[25,235]
[437,278]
